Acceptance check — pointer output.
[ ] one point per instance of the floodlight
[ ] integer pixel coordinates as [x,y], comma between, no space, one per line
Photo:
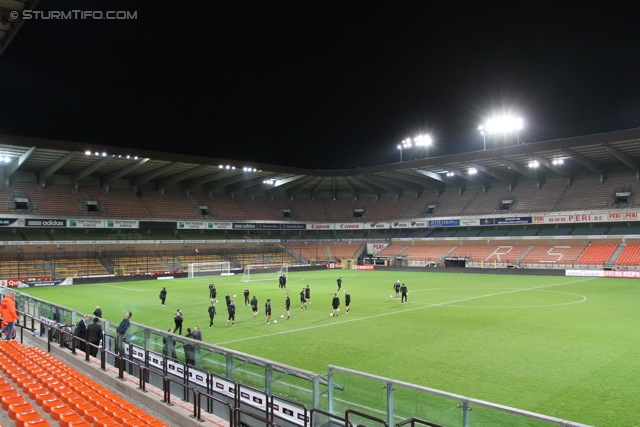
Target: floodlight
[220,166]
[504,124]
[6,159]
[88,152]
[450,174]
[558,161]
[473,171]
[534,164]
[227,167]
[422,140]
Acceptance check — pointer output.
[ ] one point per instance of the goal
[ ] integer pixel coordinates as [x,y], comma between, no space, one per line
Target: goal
[259,272]
[203,269]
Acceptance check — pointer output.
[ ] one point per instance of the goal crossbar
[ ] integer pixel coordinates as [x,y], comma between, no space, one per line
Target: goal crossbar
[259,272]
[213,268]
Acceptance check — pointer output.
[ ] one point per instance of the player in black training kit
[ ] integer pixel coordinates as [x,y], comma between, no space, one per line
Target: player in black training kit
[404,292]
[339,282]
[347,301]
[307,294]
[335,304]
[246,296]
[303,301]
[267,310]
[212,313]
[232,313]
[396,287]
[287,304]
[254,306]
[212,291]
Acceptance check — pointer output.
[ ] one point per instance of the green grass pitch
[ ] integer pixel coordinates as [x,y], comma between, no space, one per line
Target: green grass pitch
[567,347]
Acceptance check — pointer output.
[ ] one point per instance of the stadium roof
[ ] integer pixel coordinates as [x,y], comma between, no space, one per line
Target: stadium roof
[594,155]
[10,24]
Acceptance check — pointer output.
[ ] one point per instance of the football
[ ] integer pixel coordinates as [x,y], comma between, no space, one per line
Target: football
[282,315]
[331,314]
[234,296]
[390,296]
[345,291]
[275,321]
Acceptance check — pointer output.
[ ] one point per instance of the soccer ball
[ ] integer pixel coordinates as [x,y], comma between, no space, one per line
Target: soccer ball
[275,321]
[234,296]
[345,291]
[390,296]
[282,315]
[331,314]
[216,300]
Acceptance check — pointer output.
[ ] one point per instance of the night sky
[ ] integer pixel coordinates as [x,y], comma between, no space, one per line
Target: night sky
[323,85]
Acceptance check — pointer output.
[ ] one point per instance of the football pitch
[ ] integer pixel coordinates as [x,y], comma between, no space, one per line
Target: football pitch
[568,347]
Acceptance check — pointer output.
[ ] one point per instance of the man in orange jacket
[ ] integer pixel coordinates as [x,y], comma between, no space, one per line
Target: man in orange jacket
[9,315]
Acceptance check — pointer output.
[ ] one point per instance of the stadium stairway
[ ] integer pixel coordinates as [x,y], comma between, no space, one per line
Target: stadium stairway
[86,378]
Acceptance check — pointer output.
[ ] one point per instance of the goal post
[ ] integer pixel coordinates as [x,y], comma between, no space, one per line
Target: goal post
[259,272]
[204,269]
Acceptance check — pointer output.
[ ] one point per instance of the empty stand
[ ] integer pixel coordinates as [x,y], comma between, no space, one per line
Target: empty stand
[551,256]
[451,203]
[630,256]
[589,194]
[528,198]
[597,253]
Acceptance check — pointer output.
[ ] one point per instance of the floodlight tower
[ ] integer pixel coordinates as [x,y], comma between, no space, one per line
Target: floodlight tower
[406,143]
[423,141]
[502,124]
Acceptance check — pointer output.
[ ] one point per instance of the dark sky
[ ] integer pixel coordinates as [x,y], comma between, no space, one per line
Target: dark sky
[324,85]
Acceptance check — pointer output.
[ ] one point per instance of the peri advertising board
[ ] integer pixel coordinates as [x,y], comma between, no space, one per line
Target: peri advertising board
[586,218]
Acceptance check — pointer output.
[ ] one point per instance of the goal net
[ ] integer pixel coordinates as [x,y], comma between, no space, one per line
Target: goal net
[203,269]
[258,272]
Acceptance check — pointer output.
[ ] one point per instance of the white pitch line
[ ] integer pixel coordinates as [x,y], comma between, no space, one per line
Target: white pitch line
[400,312]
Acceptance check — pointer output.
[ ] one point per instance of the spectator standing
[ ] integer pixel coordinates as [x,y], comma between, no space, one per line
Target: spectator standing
[98,312]
[94,336]
[121,332]
[197,334]
[212,312]
[81,332]
[178,318]
[9,315]
[189,351]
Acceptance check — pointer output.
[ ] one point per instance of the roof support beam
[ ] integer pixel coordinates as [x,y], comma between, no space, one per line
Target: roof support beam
[368,185]
[353,189]
[240,187]
[427,183]
[51,169]
[625,158]
[499,175]
[457,182]
[594,166]
[315,189]
[187,185]
[165,182]
[148,176]
[519,168]
[291,193]
[83,173]
[386,185]
[110,177]
[546,163]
